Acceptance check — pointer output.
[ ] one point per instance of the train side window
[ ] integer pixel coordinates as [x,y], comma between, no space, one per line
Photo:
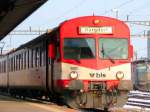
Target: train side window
[16,57]
[28,59]
[58,52]
[32,64]
[24,60]
[41,56]
[30,54]
[32,58]
[9,65]
[0,67]
[17,64]
[19,61]
[20,58]
[12,64]
[37,57]
[19,67]
[4,66]
[44,57]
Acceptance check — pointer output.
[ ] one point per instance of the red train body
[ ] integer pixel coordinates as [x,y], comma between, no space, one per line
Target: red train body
[86,60]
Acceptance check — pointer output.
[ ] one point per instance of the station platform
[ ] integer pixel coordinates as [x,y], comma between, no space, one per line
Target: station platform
[9,104]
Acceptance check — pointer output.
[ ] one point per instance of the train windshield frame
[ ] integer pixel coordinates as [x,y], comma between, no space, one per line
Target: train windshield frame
[113,48]
[79,48]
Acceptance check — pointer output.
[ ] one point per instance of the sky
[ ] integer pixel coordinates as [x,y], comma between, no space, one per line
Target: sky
[53,12]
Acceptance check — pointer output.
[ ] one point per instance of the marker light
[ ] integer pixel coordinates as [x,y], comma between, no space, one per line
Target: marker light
[119,75]
[73,75]
[96,21]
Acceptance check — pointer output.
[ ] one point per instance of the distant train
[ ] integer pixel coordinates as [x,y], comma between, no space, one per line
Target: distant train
[85,63]
[141,74]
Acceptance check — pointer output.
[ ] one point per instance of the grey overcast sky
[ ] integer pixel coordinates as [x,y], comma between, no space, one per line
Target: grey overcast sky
[53,12]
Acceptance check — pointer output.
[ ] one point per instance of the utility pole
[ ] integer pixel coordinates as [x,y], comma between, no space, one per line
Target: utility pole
[1,48]
[116,12]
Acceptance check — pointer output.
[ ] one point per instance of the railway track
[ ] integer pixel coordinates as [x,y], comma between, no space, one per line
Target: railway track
[138,101]
[47,102]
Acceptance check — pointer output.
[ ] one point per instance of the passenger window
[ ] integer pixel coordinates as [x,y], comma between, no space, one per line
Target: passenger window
[31,58]
[28,60]
[25,60]
[37,57]
[14,63]
[17,62]
[41,56]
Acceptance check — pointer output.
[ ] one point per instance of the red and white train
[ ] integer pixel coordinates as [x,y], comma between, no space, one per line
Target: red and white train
[85,62]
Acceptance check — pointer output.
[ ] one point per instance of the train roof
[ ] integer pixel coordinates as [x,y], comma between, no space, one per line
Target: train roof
[29,44]
[38,39]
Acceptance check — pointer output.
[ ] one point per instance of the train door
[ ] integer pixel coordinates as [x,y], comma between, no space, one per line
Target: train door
[53,63]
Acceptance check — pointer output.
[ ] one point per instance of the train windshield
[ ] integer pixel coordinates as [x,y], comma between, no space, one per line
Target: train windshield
[79,48]
[113,48]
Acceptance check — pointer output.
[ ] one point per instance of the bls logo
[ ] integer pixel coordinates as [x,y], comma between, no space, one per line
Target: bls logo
[97,75]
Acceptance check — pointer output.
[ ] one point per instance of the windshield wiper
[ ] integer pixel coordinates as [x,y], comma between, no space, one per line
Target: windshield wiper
[105,54]
[77,55]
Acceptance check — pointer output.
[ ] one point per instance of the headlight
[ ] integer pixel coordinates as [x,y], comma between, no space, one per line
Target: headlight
[73,75]
[119,75]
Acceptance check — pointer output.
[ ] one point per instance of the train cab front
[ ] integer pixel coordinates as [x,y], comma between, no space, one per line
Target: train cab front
[94,69]
[95,60]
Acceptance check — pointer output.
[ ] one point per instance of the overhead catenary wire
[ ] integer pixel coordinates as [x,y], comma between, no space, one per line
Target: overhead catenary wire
[39,32]
[117,7]
[79,4]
